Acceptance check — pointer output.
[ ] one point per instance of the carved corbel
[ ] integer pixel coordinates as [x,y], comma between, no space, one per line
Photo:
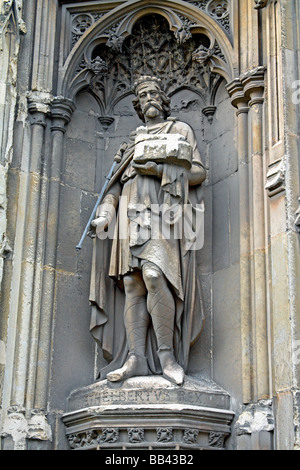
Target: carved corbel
[61,112]
[209,112]
[259,4]
[98,66]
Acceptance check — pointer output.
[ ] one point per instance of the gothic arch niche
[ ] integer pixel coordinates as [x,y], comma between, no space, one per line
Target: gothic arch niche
[188,59]
[179,59]
[198,97]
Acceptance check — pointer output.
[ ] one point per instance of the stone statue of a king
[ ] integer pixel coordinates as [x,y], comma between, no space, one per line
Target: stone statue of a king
[147,231]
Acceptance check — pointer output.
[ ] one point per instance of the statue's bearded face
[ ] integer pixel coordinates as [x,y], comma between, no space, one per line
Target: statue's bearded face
[150,100]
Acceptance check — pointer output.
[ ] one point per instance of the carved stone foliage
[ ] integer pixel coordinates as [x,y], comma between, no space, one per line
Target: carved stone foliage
[164,434]
[108,438]
[190,436]
[93,437]
[216,439]
[136,435]
[179,58]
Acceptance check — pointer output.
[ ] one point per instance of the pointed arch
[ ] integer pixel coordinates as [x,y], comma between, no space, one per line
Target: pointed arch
[123,18]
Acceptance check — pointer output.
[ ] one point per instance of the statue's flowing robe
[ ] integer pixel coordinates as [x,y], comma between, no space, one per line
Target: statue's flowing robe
[134,243]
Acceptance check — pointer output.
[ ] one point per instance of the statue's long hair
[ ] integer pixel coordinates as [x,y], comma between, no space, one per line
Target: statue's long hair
[165,99]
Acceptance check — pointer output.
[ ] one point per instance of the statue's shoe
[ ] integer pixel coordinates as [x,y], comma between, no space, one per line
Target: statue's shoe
[134,366]
[171,369]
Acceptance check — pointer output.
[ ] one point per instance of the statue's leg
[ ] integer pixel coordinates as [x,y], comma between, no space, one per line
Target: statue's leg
[136,320]
[161,306]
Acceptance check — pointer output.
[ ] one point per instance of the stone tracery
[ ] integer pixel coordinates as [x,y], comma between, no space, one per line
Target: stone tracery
[176,57]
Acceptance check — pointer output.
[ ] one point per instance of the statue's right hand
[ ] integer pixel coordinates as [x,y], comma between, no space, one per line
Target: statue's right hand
[99,224]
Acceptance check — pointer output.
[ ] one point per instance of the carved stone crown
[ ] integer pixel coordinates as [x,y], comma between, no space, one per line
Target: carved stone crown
[146,79]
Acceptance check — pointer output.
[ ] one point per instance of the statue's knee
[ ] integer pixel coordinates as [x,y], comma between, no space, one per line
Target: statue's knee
[153,278]
[129,284]
[132,285]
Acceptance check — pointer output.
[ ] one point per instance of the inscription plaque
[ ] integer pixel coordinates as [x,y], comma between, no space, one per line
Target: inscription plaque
[146,392]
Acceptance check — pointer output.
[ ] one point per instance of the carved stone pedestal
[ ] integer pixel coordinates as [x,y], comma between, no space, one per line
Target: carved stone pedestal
[148,413]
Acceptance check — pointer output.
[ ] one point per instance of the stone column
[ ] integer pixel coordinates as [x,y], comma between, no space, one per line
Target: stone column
[239,101]
[27,401]
[21,327]
[38,108]
[60,113]
[254,88]
[247,96]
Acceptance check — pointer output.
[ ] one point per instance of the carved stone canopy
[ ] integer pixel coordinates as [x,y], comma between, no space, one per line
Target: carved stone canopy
[181,59]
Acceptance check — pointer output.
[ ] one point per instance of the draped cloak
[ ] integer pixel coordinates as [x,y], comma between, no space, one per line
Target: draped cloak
[133,244]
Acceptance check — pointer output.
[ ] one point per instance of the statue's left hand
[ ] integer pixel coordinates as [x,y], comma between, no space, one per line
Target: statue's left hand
[150,169]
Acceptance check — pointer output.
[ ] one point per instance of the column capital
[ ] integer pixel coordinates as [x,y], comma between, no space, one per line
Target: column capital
[237,94]
[253,82]
[39,101]
[39,105]
[61,112]
[247,89]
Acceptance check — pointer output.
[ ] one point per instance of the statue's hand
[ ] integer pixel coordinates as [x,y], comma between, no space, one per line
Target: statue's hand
[150,169]
[99,224]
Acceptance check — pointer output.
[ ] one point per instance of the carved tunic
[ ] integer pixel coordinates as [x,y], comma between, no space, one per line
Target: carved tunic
[141,196]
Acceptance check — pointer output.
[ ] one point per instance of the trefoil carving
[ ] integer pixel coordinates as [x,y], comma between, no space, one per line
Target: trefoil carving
[219,10]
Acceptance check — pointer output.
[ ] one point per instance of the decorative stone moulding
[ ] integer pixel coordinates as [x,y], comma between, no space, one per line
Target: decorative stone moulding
[148,413]
[276,178]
